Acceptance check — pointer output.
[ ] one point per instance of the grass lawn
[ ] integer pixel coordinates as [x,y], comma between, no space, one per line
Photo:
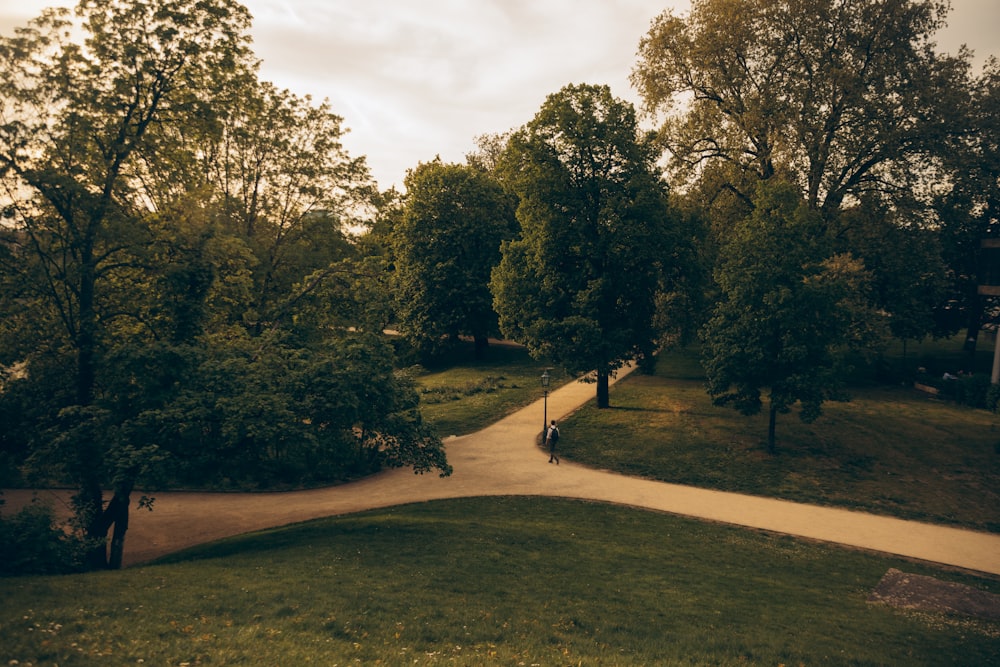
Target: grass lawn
[459,395]
[538,581]
[505,581]
[890,450]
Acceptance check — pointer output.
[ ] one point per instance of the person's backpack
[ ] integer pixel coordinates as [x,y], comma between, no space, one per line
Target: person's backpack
[554,435]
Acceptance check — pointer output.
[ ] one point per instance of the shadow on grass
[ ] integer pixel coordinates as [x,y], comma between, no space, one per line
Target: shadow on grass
[639,408]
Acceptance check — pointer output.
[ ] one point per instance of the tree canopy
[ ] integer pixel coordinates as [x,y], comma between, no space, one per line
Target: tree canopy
[444,247]
[580,284]
[76,122]
[968,208]
[180,299]
[789,310]
[852,104]
[841,98]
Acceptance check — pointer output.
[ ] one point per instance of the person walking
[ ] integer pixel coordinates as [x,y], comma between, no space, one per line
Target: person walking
[551,438]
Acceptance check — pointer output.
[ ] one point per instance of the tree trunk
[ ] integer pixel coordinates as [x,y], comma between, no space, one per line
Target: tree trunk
[117,513]
[90,500]
[89,508]
[86,339]
[646,360]
[603,395]
[772,419]
[98,520]
[974,323]
[482,346]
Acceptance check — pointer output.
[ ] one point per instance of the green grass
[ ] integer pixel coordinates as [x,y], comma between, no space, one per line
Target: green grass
[505,581]
[534,581]
[460,395]
[890,450]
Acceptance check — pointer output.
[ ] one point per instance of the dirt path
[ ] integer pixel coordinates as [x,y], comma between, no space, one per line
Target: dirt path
[503,460]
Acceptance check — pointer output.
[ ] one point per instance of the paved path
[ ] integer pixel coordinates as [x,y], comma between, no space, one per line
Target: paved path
[503,460]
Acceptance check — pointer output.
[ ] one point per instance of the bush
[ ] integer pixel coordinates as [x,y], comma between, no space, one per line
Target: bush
[32,543]
[972,390]
[993,397]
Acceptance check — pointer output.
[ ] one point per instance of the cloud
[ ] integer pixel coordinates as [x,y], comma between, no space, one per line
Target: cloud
[975,23]
[415,80]
[418,80]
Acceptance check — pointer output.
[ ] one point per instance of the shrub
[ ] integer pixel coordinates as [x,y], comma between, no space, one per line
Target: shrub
[32,543]
[993,397]
[972,390]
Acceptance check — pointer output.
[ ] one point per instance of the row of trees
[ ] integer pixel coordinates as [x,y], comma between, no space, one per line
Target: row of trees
[181,303]
[847,171]
[832,176]
[558,235]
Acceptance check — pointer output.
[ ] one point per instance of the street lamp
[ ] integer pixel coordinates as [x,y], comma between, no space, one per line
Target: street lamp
[545,402]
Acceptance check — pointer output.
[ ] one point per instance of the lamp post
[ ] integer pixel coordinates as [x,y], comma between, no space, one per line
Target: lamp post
[545,402]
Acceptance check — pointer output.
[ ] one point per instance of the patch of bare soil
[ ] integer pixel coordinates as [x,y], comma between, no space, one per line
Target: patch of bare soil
[921,593]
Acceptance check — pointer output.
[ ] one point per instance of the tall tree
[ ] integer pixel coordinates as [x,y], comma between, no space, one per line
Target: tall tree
[789,309]
[285,185]
[905,263]
[181,288]
[580,285]
[75,120]
[842,98]
[969,210]
[444,248]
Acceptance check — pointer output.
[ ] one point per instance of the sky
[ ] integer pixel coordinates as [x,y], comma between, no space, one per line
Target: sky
[416,80]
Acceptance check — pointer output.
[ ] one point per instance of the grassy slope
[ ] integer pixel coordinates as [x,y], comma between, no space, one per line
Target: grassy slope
[539,581]
[504,581]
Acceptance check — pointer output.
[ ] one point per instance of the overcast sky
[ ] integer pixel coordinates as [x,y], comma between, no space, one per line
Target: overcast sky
[418,79]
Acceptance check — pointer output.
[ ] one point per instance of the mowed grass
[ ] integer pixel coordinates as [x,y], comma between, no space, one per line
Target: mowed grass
[533,581]
[890,450]
[459,395]
[504,581]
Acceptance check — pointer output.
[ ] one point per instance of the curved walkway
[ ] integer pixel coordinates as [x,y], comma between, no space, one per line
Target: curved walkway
[503,459]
